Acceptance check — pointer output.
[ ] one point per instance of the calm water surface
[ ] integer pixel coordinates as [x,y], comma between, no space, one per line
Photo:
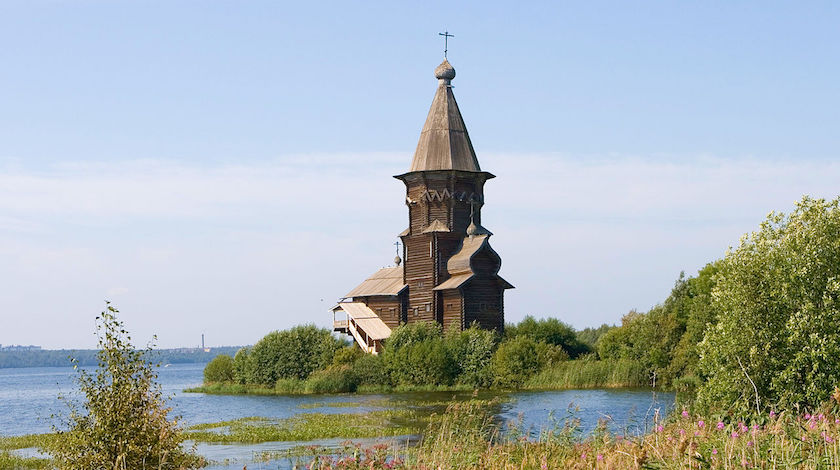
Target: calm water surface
[28,397]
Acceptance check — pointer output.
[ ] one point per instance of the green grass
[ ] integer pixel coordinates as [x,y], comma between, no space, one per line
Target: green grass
[9,461]
[310,426]
[23,442]
[232,389]
[298,387]
[589,374]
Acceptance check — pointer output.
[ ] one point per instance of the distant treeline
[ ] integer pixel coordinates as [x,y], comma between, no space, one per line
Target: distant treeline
[87,357]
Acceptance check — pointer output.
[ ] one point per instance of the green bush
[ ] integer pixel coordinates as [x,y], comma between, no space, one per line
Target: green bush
[416,354]
[243,370]
[519,358]
[123,420]
[372,371]
[472,350]
[777,342]
[334,379]
[292,354]
[220,370]
[549,331]
[347,356]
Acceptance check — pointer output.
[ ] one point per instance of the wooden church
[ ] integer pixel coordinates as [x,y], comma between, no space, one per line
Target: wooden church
[450,273]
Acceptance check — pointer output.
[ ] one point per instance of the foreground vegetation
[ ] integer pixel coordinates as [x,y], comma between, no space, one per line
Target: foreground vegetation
[466,436]
[122,421]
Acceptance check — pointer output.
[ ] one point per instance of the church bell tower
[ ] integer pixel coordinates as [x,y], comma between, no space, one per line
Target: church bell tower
[450,270]
[450,274]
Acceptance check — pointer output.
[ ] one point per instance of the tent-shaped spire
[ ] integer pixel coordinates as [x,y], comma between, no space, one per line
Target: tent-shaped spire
[444,143]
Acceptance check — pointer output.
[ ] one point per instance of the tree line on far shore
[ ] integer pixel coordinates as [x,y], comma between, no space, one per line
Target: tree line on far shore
[88,357]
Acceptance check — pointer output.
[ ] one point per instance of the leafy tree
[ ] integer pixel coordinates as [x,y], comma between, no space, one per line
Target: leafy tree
[292,354]
[220,369]
[550,331]
[590,336]
[123,420]
[777,295]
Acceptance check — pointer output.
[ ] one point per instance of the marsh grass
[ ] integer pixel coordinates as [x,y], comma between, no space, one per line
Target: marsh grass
[10,461]
[310,426]
[589,374]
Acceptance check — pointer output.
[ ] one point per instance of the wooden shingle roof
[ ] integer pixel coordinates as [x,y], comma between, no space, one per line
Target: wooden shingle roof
[386,281]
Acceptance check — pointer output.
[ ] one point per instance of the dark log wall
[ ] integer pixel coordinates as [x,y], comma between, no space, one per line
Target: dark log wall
[419,275]
[483,303]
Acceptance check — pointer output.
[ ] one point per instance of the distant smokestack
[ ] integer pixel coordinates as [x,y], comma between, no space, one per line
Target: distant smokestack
[202,340]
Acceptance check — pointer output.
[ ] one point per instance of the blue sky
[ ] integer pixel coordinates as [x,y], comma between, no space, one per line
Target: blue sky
[198,162]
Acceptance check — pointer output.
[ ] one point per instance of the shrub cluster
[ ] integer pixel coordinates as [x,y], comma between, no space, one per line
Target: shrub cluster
[418,355]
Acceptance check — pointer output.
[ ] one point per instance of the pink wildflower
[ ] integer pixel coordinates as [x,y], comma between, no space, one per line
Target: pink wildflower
[714,451]
[720,425]
[600,457]
[820,417]
[685,414]
[701,423]
[659,429]
[682,432]
[807,416]
[772,414]
[734,434]
[750,444]
[583,456]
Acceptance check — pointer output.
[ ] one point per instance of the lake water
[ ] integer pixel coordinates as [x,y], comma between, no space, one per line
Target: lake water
[28,397]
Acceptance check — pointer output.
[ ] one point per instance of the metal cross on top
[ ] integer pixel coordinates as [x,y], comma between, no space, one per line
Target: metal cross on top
[446,37]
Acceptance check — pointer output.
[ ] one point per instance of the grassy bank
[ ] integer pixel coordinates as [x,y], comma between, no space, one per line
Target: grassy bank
[589,374]
[560,376]
[298,387]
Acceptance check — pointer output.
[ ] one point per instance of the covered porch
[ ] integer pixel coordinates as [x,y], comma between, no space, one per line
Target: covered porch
[362,323]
